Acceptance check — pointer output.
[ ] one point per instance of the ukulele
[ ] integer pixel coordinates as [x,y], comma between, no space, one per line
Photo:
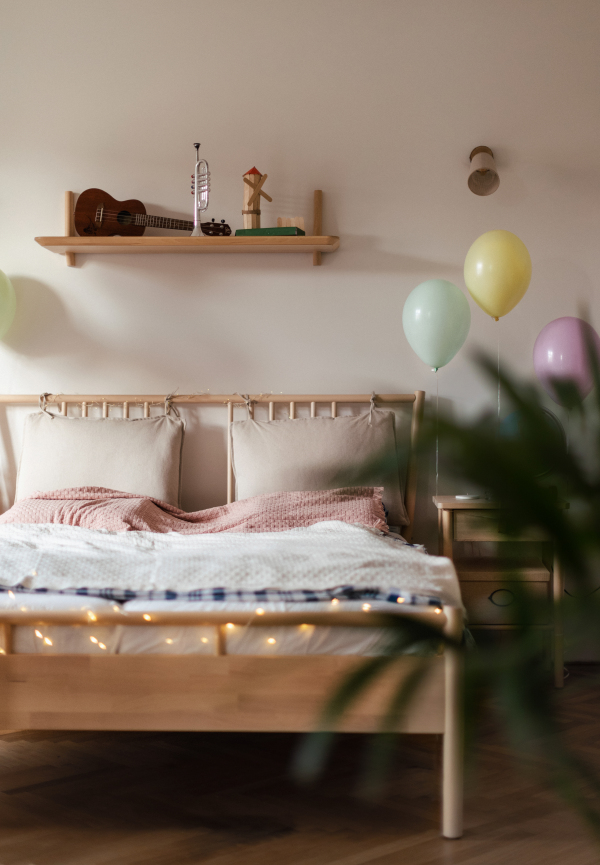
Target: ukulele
[98,214]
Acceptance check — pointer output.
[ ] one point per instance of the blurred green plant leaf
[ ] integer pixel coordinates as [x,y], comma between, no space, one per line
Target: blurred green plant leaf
[533,476]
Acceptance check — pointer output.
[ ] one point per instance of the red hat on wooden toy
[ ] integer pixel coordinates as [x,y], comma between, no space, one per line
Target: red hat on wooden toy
[252,171]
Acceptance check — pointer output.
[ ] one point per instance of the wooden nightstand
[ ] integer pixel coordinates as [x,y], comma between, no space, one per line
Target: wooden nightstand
[487,593]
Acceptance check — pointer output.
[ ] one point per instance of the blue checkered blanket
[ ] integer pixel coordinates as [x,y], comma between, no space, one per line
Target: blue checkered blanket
[296,596]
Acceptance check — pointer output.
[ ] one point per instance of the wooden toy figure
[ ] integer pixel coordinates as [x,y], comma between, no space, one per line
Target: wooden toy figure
[253,181]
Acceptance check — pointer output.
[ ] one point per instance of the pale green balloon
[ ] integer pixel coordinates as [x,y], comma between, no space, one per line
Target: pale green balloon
[436,319]
[8,304]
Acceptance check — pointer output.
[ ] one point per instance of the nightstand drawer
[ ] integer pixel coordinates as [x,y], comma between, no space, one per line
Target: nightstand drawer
[473,525]
[490,603]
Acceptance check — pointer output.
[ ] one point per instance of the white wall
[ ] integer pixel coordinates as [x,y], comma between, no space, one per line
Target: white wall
[378,103]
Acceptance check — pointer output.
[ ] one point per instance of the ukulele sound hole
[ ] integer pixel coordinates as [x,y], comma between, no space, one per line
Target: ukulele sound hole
[124,217]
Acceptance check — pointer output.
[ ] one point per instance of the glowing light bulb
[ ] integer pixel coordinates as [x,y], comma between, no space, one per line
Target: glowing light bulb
[147,617]
[93,640]
[92,616]
[366,607]
[34,573]
[260,611]
[271,641]
[169,641]
[204,640]
[438,611]
[11,595]
[102,646]
[23,609]
[400,600]
[116,609]
[334,602]
[48,641]
[230,625]
[40,636]
[2,651]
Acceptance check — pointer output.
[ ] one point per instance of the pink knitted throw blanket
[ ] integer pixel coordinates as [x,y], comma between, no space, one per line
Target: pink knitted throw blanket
[99,508]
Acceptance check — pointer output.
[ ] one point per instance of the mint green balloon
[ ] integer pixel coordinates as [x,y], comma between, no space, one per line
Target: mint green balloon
[436,319]
[8,304]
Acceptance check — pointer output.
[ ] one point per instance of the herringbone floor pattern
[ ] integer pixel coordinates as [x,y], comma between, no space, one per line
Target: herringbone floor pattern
[226,799]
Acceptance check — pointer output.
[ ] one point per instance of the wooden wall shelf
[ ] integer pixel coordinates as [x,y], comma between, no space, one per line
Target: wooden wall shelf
[112,245]
[69,245]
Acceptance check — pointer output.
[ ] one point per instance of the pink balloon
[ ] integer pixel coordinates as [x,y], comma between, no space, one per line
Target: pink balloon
[560,353]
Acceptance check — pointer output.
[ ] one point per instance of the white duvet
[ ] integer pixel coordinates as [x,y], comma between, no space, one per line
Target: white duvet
[322,556]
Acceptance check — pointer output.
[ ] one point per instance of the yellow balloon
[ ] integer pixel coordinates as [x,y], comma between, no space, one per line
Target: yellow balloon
[497,272]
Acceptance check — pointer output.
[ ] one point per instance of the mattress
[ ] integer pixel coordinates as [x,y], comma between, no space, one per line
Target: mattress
[324,566]
[302,639]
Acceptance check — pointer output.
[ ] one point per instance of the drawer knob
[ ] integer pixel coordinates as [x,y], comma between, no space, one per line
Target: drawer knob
[502,598]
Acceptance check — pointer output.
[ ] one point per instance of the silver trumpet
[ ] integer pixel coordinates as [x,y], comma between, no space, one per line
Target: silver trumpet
[200,190]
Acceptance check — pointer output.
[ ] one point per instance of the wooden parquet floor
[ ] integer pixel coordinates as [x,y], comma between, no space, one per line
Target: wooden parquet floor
[226,799]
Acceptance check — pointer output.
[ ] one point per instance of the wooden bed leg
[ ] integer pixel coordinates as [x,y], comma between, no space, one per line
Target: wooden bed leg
[452,757]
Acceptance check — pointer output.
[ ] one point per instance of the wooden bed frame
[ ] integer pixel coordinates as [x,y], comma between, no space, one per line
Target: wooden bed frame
[231,692]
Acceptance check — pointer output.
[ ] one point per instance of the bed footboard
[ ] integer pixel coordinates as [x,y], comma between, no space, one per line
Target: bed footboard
[188,692]
[230,692]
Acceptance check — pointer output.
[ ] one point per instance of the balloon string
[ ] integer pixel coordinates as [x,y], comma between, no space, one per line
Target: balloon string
[437,431]
[498,335]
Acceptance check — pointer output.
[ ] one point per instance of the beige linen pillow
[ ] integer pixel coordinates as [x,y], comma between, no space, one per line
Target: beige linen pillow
[314,454]
[131,455]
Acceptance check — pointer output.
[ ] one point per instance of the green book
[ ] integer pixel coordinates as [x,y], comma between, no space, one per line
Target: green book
[278,231]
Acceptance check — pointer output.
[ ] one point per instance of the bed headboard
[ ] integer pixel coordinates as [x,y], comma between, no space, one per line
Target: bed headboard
[230,401]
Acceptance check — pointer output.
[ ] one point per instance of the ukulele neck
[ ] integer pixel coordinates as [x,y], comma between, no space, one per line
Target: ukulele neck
[163,222]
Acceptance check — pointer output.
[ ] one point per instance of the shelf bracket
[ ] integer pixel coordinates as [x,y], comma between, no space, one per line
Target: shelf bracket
[69,225]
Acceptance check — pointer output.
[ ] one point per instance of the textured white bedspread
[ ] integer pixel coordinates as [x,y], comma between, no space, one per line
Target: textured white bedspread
[321,556]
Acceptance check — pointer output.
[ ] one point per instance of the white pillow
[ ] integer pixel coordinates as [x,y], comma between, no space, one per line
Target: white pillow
[140,456]
[316,454]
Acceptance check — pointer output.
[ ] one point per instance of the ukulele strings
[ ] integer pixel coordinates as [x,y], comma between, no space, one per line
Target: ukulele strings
[115,215]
